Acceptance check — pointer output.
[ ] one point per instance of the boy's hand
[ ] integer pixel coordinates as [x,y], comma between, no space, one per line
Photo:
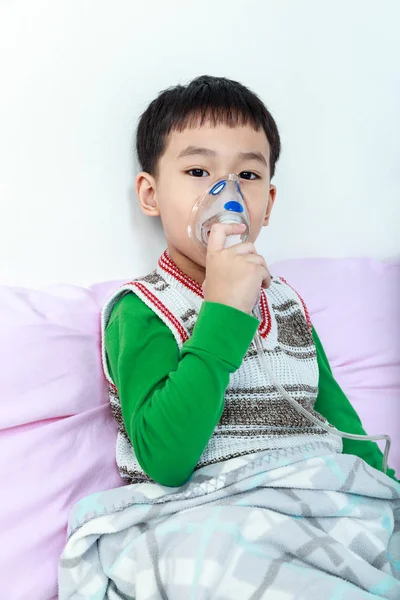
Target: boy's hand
[233,275]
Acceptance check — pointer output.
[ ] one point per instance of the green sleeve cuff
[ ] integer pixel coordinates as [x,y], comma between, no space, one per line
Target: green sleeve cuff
[223,331]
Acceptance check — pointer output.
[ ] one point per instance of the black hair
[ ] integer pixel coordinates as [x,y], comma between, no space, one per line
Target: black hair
[220,100]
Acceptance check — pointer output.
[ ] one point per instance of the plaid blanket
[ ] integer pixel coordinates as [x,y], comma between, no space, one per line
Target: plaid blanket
[296,524]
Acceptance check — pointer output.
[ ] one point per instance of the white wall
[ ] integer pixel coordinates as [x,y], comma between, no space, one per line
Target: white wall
[75,76]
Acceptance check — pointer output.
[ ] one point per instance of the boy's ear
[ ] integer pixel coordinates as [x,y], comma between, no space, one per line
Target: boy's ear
[270,205]
[146,191]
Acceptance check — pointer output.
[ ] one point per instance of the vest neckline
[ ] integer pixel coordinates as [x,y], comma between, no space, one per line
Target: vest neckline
[167,265]
[172,271]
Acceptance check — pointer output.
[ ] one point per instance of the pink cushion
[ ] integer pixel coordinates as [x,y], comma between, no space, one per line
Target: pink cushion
[57,435]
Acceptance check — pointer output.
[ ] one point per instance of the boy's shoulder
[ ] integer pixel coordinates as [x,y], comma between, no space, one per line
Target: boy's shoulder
[127,308]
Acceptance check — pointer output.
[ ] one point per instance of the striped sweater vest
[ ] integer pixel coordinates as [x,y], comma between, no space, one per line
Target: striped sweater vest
[255,416]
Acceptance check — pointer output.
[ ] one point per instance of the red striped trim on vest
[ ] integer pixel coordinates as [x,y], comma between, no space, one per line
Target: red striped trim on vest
[301,300]
[163,309]
[166,264]
[265,325]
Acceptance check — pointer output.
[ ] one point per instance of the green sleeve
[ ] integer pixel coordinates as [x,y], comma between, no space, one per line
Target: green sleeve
[171,401]
[333,404]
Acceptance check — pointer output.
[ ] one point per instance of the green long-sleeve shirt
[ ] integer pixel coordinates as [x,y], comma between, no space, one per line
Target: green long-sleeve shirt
[172,400]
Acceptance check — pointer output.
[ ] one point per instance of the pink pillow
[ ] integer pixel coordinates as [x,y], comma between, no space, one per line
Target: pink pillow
[57,434]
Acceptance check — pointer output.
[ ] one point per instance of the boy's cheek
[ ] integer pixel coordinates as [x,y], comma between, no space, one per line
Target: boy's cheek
[176,233]
[175,228]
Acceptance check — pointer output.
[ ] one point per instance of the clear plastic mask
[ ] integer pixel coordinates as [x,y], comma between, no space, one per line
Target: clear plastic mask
[222,202]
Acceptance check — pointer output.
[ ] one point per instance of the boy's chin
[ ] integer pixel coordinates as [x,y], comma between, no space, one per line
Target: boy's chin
[193,252]
[197,255]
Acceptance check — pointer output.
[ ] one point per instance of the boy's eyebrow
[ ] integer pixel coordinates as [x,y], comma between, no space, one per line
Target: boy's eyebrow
[195,150]
[253,156]
[191,150]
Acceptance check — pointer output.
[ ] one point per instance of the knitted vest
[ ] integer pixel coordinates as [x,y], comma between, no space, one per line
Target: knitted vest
[255,416]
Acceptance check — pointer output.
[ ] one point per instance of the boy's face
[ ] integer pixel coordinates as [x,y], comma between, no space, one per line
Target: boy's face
[192,161]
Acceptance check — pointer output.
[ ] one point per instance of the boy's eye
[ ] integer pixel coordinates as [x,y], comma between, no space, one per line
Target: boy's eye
[198,173]
[248,175]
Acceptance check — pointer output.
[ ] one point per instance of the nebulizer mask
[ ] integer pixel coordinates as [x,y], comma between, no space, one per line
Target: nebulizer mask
[223,202]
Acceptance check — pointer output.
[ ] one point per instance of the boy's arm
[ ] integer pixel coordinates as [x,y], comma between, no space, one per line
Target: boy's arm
[333,404]
[171,401]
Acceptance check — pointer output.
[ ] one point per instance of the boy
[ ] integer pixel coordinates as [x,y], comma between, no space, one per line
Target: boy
[186,388]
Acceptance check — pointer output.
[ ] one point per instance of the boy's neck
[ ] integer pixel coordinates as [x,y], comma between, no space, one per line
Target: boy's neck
[185,264]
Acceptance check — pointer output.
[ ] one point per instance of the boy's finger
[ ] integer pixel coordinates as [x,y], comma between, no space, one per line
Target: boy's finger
[219,233]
